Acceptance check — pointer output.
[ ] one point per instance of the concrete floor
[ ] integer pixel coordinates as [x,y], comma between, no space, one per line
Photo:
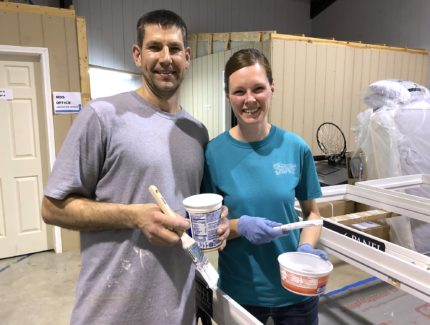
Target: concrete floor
[38,289]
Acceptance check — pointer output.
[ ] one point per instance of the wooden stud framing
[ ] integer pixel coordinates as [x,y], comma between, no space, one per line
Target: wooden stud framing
[192,43]
[245,37]
[208,43]
[220,42]
[81,30]
[346,43]
[204,44]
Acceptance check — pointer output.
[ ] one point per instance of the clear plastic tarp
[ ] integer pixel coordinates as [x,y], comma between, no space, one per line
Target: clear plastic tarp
[393,139]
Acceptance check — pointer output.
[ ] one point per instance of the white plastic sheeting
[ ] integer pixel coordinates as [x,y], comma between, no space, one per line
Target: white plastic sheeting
[393,137]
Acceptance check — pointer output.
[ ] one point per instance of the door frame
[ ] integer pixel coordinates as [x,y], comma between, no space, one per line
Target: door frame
[42,54]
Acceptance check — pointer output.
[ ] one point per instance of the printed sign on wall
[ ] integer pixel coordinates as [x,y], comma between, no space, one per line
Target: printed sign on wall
[6,93]
[67,102]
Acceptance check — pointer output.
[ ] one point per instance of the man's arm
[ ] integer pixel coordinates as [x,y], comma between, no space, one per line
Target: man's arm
[80,213]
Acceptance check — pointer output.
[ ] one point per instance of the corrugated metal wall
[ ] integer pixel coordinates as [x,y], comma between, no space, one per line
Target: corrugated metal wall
[112,23]
[202,94]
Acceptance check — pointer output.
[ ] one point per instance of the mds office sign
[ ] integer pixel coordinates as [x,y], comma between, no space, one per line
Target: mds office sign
[67,102]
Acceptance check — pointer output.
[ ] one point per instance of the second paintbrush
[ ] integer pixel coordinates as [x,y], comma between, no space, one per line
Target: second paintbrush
[201,262]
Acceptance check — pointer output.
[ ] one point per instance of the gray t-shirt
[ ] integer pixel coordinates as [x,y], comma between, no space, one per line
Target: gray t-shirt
[116,148]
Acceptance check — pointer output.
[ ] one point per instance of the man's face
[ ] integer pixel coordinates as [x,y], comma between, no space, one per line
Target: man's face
[163,59]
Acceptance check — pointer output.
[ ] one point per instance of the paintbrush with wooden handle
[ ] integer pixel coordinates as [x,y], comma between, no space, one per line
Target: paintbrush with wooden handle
[203,266]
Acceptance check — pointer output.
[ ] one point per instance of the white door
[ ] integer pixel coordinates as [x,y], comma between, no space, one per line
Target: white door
[23,152]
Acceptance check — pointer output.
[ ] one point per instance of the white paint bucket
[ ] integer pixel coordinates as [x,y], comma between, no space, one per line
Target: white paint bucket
[303,273]
[204,211]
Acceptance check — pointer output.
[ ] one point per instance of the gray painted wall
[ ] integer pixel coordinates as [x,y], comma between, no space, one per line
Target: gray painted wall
[111,23]
[403,23]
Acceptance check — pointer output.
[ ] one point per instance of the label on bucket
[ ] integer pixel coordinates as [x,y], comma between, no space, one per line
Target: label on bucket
[302,284]
[204,228]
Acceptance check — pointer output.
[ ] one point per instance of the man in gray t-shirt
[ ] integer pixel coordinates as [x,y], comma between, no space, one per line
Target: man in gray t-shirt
[134,270]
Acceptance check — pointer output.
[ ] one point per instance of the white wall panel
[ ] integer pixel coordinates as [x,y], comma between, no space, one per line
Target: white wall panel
[310,106]
[319,81]
[391,22]
[320,91]
[347,94]
[329,97]
[278,75]
[339,79]
[195,89]
[288,86]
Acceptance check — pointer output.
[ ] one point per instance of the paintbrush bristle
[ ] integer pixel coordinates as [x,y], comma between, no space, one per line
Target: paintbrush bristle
[195,253]
[208,272]
[203,265]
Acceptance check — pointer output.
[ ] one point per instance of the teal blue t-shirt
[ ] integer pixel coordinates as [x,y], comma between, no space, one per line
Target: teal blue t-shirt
[261,179]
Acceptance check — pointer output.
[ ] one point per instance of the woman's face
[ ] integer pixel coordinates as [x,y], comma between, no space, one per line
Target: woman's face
[250,94]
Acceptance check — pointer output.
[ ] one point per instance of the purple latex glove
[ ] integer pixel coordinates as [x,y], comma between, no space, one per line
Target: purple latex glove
[307,248]
[258,230]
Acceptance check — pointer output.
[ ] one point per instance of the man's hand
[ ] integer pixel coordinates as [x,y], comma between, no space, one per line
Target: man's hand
[159,228]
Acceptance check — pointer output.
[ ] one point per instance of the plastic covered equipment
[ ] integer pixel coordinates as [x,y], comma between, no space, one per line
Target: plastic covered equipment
[393,139]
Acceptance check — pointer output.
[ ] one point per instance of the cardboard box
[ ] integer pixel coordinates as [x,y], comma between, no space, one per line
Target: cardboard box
[358,216]
[341,207]
[363,216]
[374,228]
[336,208]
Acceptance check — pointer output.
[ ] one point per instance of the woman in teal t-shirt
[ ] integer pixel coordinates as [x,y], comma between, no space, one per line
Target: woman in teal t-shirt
[260,170]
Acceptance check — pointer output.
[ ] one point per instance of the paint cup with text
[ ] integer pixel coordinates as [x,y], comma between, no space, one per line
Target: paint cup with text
[204,211]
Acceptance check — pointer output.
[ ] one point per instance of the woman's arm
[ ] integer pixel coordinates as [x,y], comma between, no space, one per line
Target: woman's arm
[310,211]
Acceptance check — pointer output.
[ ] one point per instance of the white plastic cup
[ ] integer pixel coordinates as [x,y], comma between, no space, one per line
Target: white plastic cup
[204,211]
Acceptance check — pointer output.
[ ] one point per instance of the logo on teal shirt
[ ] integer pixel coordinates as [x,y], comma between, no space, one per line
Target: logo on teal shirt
[282,169]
